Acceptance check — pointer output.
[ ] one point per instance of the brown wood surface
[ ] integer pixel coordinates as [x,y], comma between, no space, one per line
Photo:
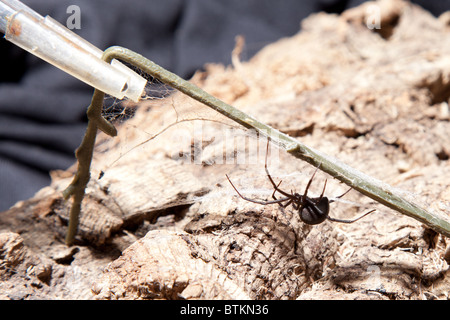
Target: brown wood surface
[156,226]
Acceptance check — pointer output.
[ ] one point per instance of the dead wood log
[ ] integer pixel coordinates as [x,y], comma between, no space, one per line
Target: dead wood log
[375,98]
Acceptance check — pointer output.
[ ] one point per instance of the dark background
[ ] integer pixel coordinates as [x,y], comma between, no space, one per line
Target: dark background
[42,109]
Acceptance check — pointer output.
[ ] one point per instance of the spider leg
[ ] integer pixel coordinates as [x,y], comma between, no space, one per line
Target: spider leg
[286,204]
[257,201]
[323,191]
[341,195]
[350,221]
[299,203]
[270,177]
[291,199]
[308,185]
[275,190]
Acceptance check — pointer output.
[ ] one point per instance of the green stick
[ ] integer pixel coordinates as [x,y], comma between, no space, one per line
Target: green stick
[368,186]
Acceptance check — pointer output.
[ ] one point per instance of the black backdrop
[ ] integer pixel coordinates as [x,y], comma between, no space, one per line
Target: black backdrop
[42,109]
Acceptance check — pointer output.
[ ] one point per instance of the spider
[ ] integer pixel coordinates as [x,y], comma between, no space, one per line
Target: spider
[311,210]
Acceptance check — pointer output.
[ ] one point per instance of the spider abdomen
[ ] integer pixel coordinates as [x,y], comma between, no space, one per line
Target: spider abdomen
[315,210]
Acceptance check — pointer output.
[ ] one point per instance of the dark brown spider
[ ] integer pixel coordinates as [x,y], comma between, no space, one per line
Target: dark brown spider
[311,210]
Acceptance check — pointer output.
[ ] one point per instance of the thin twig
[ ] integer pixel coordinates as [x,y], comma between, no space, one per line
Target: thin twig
[84,156]
[359,181]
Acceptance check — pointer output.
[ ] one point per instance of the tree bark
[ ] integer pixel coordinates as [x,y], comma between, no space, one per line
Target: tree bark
[163,222]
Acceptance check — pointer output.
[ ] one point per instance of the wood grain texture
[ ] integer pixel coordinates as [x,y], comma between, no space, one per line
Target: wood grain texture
[163,227]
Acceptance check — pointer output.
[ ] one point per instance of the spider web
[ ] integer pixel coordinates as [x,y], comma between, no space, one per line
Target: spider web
[187,116]
[118,111]
[198,134]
